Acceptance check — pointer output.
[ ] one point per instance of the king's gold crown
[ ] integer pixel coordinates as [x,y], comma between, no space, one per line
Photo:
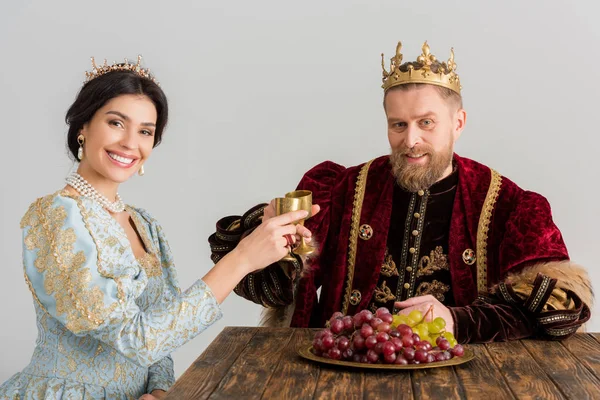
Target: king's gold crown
[99,70]
[427,69]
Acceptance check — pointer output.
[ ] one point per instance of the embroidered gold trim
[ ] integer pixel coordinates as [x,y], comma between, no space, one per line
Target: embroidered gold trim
[151,265]
[556,318]
[540,293]
[359,196]
[383,294]
[389,267]
[99,261]
[483,228]
[405,243]
[435,288]
[436,261]
[64,276]
[561,332]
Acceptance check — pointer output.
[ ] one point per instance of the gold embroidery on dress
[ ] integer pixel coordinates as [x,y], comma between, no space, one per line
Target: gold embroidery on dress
[436,288]
[389,266]
[384,293]
[435,261]
[64,275]
[151,265]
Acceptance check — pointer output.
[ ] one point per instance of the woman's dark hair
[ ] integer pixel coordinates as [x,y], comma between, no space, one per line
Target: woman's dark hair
[97,92]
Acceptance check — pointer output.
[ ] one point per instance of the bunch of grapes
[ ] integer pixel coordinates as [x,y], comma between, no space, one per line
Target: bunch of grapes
[386,338]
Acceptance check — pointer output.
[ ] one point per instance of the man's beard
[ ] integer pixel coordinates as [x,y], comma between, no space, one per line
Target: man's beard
[412,177]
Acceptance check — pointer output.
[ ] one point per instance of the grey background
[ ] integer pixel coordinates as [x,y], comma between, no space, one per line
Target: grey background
[260,91]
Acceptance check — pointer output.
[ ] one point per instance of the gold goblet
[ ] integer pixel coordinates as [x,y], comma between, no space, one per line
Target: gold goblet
[284,205]
[305,203]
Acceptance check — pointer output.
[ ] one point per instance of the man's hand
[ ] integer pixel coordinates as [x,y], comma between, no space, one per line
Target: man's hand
[423,304]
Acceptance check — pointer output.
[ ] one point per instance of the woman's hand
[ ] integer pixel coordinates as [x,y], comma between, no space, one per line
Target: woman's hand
[269,213]
[268,243]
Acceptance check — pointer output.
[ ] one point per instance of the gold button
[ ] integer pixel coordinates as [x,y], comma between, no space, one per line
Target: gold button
[406,286]
[415,232]
[409,269]
[420,193]
[412,250]
[417,215]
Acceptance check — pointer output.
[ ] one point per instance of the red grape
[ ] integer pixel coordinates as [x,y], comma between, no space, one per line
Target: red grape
[381,311]
[458,351]
[407,341]
[342,343]
[409,353]
[336,315]
[440,357]
[367,316]
[430,358]
[397,342]
[348,354]
[375,322]
[357,358]
[327,342]
[416,338]
[335,353]
[387,318]
[364,359]
[358,320]
[389,358]
[421,356]
[372,357]
[337,326]
[370,342]
[348,322]
[366,331]
[404,330]
[383,337]
[359,342]
[384,327]
[394,333]
[401,360]
[444,344]
[388,348]
[423,345]
[378,348]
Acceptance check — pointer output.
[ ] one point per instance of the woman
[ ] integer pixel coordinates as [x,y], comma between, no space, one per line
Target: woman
[109,311]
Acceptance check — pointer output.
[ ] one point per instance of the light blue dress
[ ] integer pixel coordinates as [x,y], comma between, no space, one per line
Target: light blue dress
[107,321]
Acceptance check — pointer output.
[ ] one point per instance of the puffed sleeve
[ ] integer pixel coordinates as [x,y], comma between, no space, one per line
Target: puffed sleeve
[84,277]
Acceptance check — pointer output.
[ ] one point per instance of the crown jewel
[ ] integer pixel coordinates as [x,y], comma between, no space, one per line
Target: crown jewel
[99,70]
[427,69]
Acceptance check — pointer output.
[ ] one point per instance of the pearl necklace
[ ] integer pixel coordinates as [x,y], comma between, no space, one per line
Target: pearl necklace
[78,183]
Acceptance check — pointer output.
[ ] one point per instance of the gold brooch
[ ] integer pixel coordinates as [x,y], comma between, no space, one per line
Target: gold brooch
[365,232]
[469,257]
[355,297]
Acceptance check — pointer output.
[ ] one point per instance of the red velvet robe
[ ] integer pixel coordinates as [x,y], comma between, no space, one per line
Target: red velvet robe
[506,227]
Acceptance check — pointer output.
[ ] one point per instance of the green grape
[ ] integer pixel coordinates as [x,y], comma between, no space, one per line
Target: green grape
[427,338]
[440,321]
[398,320]
[435,326]
[416,315]
[411,322]
[449,336]
[421,330]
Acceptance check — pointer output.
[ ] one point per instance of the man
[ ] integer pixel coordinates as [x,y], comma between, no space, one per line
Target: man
[423,227]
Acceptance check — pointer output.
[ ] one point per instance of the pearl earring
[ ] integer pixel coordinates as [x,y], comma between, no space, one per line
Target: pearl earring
[80,140]
[141,171]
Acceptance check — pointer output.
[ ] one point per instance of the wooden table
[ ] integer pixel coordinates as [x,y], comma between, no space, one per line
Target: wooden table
[262,363]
